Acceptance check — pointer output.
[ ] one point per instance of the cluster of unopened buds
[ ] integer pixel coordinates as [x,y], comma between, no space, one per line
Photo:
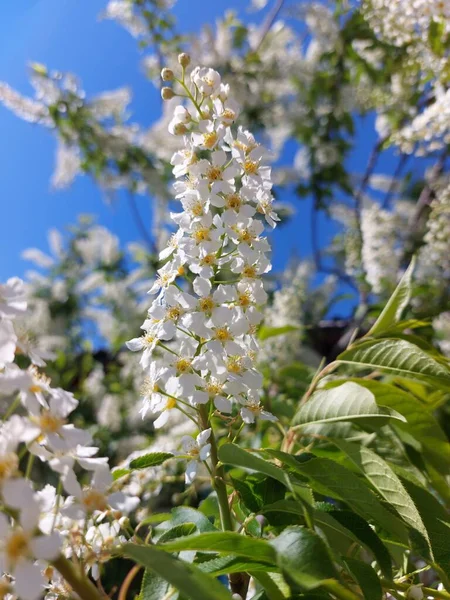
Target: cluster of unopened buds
[199,343]
[42,525]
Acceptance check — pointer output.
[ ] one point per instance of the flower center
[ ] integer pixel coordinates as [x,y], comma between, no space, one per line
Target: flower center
[95,500]
[16,546]
[49,423]
[182,365]
[9,463]
[249,271]
[206,304]
[229,114]
[196,209]
[223,335]
[244,299]
[233,201]
[201,235]
[214,173]
[214,388]
[148,339]
[234,365]
[174,313]
[251,167]
[210,139]
[209,259]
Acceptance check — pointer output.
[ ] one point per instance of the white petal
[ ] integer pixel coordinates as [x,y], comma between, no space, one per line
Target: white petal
[191,471]
[29,582]
[46,547]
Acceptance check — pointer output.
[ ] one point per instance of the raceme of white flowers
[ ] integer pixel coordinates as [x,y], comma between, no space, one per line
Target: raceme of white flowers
[199,346]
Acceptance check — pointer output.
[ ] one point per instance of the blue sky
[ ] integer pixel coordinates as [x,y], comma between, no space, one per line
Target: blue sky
[67,35]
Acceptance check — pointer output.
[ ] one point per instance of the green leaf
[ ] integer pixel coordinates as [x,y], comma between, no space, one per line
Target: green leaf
[118,473]
[434,517]
[420,422]
[225,541]
[181,530]
[367,536]
[398,357]
[153,587]
[223,565]
[150,460]
[387,484]
[332,479]
[185,514]
[366,578]
[230,454]
[348,402]
[185,577]
[267,332]
[396,304]
[303,557]
[436,32]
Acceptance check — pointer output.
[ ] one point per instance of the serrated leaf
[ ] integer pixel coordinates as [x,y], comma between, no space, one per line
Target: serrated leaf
[181,530]
[332,479]
[186,514]
[434,516]
[152,459]
[118,473]
[420,422]
[185,577]
[348,402]
[265,332]
[303,557]
[396,304]
[387,484]
[224,565]
[398,357]
[153,587]
[230,454]
[365,577]
[225,542]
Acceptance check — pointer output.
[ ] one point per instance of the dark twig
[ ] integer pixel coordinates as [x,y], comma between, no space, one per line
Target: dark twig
[400,166]
[265,28]
[317,256]
[426,195]
[140,224]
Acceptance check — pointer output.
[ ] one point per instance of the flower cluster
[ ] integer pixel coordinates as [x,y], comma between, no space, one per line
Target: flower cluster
[199,345]
[41,525]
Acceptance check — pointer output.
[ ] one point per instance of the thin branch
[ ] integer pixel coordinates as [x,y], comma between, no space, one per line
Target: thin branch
[426,195]
[140,223]
[400,166]
[265,28]
[317,256]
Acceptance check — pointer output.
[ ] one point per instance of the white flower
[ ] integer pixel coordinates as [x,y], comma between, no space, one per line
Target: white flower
[21,544]
[207,80]
[94,499]
[8,341]
[198,450]
[12,298]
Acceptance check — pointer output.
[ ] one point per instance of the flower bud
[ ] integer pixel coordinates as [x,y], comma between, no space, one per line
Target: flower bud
[184,59]
[167,74]
[167,93]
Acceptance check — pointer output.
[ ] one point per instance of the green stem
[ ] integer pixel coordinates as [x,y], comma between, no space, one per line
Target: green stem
[77,580]
[398,585]
[218,475]
[12,408]
[339,591]
[29,466]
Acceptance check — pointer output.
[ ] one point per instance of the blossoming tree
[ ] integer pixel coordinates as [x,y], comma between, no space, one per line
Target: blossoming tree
[244,445]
